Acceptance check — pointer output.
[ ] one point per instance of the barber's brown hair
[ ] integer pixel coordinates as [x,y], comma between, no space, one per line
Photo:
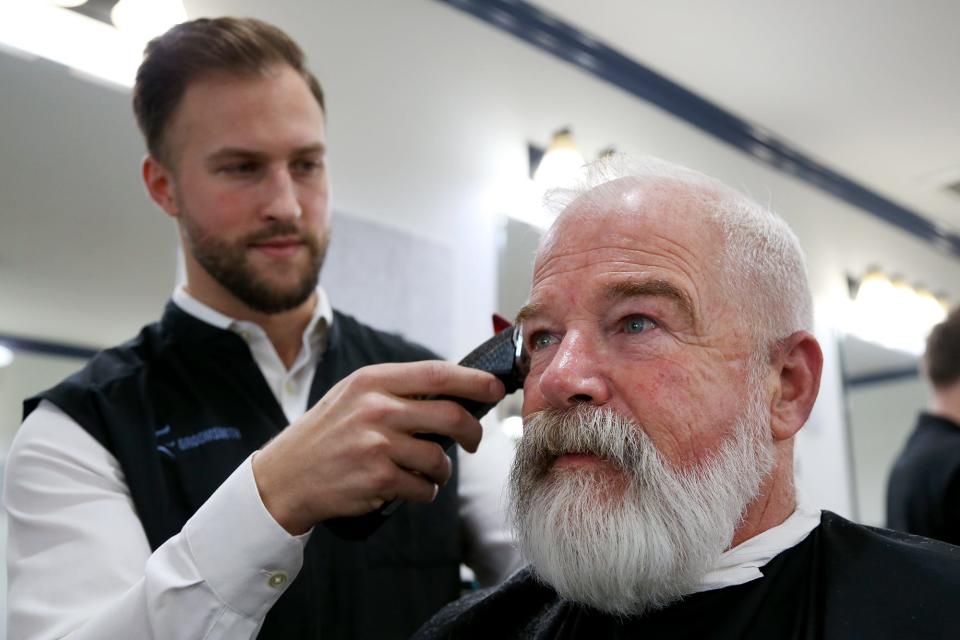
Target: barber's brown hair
[942,358]
[191,50]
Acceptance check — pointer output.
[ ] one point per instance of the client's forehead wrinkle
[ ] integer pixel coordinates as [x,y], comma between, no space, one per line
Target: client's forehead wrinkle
[625,290]
[659,288]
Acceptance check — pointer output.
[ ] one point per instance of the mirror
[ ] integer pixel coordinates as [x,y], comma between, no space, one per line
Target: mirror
[884,392]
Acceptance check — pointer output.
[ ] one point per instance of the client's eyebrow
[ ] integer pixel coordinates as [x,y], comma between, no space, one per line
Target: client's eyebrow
[657,288]
[528,312]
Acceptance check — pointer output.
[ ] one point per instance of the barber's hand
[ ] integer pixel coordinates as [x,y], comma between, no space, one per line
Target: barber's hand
[355,449]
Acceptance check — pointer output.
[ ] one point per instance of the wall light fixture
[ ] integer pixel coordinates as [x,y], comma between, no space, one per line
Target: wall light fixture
[559,165]
[561,162]
[892,313]
[89,46]
[6,356]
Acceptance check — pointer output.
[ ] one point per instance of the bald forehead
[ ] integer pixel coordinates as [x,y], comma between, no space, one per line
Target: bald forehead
[648,195]
[628,210]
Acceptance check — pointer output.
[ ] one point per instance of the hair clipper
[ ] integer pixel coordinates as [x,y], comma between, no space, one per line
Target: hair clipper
[504,356]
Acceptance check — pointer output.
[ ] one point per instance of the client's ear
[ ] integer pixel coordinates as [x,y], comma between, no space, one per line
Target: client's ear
[799,360]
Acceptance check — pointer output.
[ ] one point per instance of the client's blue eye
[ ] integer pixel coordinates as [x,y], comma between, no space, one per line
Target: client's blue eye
[638,324]
[542,339]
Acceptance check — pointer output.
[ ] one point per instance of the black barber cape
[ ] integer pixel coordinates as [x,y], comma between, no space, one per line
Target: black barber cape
[923,493]
[843,582]
[183,404]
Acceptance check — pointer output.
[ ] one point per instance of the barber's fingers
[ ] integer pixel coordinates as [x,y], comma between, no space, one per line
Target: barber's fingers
[429,378]
[442,417]
[425,458]
[413,487]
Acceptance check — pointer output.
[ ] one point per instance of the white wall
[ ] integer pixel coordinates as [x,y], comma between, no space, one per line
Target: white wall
[821,448]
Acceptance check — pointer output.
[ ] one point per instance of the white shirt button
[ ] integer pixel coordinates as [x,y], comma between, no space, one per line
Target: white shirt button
[289,387]
[277,579]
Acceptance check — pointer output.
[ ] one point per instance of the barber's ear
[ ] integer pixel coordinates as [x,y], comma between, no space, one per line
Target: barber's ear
[160,185]
[799,362]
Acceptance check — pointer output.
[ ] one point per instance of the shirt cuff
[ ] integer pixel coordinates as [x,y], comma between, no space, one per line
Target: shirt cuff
[242,553]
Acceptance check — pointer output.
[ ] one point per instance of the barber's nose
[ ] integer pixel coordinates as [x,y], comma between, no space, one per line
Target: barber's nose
[574,375]
[281,202]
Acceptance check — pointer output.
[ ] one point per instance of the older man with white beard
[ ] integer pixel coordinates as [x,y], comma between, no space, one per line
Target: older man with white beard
[672,364]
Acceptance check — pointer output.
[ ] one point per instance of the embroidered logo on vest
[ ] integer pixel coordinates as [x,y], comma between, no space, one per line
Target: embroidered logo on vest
[167,444]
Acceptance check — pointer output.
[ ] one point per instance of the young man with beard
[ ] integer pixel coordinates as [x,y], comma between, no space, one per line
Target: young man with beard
[672,363]
[159,492]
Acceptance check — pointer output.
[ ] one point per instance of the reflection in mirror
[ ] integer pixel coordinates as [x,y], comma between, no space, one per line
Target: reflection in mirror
[884,393]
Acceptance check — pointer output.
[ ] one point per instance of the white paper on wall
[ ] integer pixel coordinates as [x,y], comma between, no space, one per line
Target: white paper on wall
[391,280]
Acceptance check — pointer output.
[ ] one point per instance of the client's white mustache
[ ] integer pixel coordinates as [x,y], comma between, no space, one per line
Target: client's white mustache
[585,429]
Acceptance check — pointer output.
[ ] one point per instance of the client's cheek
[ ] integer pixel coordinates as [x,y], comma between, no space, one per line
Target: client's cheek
[688,440]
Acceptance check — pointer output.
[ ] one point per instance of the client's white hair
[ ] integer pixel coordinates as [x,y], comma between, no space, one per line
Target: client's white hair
[627,542]
[762,259]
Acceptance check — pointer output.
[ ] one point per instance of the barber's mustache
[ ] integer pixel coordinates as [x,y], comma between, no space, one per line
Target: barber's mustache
[279,229]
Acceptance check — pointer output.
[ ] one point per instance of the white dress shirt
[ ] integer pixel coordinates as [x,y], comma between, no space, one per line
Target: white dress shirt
[78,560]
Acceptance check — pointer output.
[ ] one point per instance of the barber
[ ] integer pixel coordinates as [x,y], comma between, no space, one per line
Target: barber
[176,486]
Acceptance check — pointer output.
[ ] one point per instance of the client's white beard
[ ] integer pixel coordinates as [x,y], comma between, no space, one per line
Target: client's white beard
[644,541]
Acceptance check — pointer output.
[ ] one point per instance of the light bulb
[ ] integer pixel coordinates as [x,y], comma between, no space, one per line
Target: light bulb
[145,19]
[561,164]
[6,356]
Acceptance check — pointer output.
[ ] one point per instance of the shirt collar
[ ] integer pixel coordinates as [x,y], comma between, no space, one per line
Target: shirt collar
[187,303]
[742,563]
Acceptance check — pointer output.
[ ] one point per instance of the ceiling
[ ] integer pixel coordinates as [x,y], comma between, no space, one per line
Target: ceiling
[867,87]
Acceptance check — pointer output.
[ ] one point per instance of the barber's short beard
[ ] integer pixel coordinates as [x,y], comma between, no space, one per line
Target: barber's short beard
[629,544]
[228,264]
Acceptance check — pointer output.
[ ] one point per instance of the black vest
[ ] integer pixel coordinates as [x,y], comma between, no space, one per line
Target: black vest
[923,490]
[183,404]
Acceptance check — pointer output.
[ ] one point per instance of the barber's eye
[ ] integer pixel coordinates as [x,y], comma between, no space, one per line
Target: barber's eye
[638,324]
[308,166]
[238,168]
[542,339]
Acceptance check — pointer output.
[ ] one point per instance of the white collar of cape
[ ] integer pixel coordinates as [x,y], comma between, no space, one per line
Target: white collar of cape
[742,563]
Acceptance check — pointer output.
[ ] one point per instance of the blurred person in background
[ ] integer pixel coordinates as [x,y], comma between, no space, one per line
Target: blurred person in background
[923,492]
